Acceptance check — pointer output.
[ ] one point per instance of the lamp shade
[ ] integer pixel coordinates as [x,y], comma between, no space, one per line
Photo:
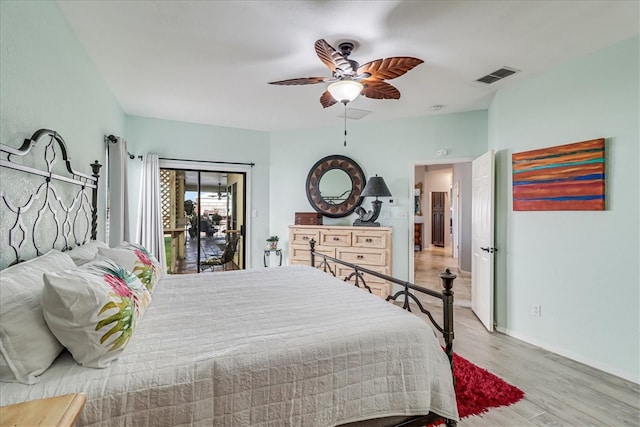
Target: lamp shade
[345,91]
[376,187]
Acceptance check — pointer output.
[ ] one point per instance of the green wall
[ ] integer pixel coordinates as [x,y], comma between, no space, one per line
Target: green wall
[388,149]
[581,267]
[48,81]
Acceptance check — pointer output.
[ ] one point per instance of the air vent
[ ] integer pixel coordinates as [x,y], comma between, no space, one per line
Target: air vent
[497,75]
[354,114]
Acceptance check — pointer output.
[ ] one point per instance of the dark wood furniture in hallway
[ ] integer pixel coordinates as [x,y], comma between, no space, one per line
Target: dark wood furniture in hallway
[437,217]
[417,235]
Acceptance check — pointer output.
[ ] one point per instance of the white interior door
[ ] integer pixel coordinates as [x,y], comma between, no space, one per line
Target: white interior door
[483,173]
[455,201]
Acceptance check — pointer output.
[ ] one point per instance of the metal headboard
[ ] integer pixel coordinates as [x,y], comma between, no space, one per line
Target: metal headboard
[36,214]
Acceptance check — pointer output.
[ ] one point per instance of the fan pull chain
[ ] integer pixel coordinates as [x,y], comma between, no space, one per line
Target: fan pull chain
[345,124]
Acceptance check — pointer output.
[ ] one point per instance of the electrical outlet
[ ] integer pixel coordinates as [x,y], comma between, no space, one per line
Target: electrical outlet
[536,310]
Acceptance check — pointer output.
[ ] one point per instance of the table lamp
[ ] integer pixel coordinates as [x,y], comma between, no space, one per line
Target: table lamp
[376,187]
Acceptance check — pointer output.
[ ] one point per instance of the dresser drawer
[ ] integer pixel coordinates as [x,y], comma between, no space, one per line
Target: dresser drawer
[369,239]
[301,254]
[344,271]
[301,236]
[362,256]
[383,290]
[338,238]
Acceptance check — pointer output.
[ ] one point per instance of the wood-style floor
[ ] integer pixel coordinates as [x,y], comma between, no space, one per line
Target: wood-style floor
[558,391]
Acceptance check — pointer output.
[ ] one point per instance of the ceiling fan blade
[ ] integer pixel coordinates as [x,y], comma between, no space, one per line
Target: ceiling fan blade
[301,81]
[389,68]
[332,58]
[327,100]
[377,89]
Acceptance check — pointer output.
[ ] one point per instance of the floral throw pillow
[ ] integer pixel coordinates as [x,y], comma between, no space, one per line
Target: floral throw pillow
[93,310]
[136,259]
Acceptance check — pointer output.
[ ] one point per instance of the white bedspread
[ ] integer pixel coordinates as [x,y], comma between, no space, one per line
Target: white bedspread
[287,346]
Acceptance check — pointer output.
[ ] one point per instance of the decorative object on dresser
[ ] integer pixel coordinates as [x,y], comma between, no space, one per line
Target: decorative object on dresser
[376,187]
[308,218]
[334,185]
[370,248]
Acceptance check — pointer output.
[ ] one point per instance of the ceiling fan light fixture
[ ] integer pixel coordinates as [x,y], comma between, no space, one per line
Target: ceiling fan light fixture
[345,91]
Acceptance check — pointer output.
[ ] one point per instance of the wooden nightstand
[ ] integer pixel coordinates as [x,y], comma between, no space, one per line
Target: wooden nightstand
[59,411]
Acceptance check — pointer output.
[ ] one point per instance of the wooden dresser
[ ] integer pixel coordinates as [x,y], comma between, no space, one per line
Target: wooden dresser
[369,247]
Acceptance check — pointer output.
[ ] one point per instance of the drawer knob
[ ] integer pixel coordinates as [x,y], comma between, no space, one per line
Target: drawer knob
[336,239]
[369,240]
[360,257]
[305,238]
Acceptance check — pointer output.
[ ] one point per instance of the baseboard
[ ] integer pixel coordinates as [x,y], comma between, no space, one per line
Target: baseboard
[465,274]
[569,355]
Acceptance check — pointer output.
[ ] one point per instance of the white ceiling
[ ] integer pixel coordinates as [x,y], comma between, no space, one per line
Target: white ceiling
[210,61]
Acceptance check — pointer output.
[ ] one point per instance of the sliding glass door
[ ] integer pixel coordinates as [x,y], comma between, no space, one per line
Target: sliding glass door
[204,220]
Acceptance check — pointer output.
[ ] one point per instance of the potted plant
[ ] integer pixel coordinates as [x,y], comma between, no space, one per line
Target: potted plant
[272,242]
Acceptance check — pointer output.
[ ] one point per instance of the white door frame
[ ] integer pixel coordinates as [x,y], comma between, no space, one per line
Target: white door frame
[412,214]
[216,167]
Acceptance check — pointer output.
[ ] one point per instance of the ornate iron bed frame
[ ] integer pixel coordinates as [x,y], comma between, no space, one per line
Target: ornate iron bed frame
[66,234]
[66,227]
[446,296]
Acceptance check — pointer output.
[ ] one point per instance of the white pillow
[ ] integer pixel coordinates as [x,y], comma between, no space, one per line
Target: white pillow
[26,343]
[93,310]
[87,252]
[138,260]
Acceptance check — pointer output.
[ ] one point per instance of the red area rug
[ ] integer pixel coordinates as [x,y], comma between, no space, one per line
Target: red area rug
[478,390]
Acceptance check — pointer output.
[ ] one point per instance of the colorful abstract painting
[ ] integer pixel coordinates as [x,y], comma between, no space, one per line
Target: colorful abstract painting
[566,177]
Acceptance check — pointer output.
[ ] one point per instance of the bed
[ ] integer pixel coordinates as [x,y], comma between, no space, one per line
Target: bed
[282,346]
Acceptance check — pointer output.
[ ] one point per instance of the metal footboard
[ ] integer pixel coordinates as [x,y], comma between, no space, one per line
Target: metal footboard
[408,292]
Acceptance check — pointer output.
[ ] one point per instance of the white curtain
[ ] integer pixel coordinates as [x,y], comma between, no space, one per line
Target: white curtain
[149,230]
[118,231]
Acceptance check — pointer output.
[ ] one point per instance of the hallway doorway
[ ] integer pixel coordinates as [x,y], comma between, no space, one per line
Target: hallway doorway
[443,213]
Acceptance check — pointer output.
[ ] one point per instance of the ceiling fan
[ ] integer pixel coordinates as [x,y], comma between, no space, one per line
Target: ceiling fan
[350,79]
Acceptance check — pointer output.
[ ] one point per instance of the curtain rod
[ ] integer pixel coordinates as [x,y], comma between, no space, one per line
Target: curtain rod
[114,140]
[210,161]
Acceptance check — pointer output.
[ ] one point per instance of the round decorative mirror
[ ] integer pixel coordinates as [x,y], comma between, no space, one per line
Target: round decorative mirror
[334,185]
